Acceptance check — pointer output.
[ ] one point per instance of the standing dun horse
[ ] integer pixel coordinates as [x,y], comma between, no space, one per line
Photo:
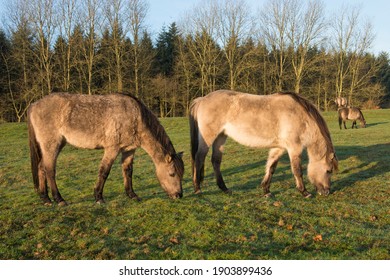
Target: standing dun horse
[341,102]
[116,123]
[282,121]
[352,114]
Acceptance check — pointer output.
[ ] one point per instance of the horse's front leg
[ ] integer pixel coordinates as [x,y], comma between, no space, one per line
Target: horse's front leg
[104,171]
[216,160]
[295,160]
[127,172]
[273,158]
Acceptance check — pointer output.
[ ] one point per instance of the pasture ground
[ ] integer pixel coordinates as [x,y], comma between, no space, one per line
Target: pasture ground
[352,223]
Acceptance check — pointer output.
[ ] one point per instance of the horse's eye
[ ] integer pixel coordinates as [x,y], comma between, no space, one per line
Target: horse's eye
[172,174]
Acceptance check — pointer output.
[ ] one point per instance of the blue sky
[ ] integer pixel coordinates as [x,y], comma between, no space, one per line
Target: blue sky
[164,12]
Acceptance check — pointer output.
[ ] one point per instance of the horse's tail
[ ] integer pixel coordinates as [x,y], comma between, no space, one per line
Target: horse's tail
[194,131]
[35,152]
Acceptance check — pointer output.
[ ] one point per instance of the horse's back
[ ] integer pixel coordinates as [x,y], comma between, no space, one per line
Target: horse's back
[252,120]
[86,121]
[354,113]
[351,113]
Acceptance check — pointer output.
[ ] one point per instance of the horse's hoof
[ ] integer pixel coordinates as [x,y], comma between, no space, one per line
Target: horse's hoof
[133,196]
[307,195]
[198,192]
[227,191]
[100,201]
[48,203]
[268,195]
[62,203]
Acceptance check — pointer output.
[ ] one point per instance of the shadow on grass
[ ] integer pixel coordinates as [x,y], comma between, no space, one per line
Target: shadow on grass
[357,163]
[375,124]
[241,178]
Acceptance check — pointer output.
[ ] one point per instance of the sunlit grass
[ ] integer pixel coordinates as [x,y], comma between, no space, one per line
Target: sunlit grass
[352,223]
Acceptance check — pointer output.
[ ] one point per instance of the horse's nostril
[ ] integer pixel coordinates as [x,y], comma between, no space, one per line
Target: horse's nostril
[177,195]
[325,192]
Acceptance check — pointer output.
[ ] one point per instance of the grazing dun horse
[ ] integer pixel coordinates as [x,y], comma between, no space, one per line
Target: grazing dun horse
[352,114]
[282,121]
[116,123]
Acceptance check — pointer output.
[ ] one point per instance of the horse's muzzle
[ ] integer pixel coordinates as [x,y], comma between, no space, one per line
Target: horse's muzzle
[324,192]
[176,195]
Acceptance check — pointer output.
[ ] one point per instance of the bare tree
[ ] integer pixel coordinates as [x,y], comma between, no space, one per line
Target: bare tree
[351,40]
[44,22]
[138,10]
[200,27]
[235,26]
[114,15]
[306,26]
[22,86]
[90,20]
[274,29]
[68,19]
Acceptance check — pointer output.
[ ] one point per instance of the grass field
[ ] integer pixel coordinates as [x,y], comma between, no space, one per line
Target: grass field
[352,223]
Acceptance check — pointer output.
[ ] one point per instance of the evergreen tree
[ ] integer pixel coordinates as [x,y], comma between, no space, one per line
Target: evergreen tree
[167,51]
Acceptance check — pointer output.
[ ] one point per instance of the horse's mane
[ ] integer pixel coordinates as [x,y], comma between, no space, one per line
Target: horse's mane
[361,113]
[316,116]
[158,132]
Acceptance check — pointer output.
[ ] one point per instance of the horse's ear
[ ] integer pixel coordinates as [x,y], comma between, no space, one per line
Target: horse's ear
[168,158]
[335,162]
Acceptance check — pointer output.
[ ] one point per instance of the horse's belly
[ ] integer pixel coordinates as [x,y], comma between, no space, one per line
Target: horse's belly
[83,142]
[248,137]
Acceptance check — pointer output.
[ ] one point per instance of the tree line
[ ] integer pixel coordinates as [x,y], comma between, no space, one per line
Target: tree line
[98,47]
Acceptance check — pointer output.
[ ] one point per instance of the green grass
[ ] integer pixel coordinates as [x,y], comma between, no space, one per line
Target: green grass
[352,223]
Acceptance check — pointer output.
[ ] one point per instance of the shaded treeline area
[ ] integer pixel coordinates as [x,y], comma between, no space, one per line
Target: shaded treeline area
[97,47]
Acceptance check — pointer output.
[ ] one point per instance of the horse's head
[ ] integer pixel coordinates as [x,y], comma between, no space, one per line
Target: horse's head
[363,122]
[320,172]
[170,174]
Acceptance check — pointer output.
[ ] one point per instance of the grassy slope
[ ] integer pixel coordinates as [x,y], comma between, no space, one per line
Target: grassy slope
[352,223]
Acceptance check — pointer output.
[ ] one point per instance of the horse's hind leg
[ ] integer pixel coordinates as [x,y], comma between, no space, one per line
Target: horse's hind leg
[273,158]
[49,158]
[127,172]
[295,160]
[198,167]
[216,160]
[43,194]
[104,171]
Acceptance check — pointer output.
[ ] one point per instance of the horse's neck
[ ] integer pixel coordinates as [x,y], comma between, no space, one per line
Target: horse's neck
[152,147]
[317,149]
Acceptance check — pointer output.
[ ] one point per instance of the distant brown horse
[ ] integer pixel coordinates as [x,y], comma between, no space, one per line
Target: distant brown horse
[341,102]
[352,114]
[282,121]
[116,123]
